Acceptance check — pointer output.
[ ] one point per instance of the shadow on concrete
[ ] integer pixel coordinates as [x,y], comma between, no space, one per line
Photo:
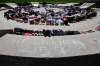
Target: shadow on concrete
[4,32]
[87,60]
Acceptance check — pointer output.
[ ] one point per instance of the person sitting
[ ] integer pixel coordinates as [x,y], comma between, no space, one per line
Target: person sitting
[65,19]
[59,22]
[46,33]
[18,31]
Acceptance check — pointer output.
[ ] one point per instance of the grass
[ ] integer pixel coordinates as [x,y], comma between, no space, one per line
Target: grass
[27,2]
[48,1]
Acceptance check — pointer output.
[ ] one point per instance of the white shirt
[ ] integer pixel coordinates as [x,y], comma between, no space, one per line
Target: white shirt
[59,21]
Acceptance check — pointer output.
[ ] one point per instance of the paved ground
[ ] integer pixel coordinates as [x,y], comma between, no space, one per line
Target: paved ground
[58,46]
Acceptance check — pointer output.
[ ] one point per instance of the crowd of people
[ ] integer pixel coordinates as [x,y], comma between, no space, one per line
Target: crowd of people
[48,15]
[44,32]
[49,33]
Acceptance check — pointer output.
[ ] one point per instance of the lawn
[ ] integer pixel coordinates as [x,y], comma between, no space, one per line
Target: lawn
[48,1]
